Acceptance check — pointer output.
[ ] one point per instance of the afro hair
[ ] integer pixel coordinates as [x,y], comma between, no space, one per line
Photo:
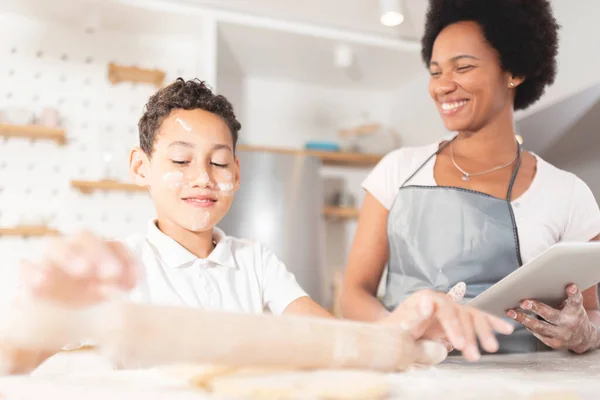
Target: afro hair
[523,32]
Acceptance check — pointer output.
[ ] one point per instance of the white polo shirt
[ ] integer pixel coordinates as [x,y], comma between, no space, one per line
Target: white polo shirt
[239,275]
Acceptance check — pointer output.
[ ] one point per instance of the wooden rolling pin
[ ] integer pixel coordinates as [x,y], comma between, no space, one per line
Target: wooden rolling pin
[146,335]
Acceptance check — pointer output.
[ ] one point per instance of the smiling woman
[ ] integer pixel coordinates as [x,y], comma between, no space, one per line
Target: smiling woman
[475,208]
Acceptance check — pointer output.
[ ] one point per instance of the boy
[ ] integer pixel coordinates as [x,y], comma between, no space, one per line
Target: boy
[186,159]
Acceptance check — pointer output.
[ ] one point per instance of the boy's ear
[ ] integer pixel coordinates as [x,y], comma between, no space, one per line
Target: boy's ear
[237,174]
[139,166]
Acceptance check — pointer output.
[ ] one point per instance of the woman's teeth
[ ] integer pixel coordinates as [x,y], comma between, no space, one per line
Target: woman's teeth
[453,106]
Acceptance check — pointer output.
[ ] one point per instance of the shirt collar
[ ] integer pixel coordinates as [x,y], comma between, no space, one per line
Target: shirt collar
[175,255]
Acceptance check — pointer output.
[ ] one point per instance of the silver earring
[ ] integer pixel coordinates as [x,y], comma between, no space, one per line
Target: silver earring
[512,84]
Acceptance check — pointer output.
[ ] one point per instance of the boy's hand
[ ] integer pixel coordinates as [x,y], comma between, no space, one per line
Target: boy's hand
[77,272]
[20,361]
[432,315]
[80,271]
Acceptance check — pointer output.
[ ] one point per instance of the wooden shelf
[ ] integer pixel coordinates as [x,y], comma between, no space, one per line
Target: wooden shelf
[34,132]
[341,212]
[28,230]
[121,73]
[87,187]
[326,157]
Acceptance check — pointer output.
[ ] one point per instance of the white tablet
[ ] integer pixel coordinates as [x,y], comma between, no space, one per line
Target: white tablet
[544,278]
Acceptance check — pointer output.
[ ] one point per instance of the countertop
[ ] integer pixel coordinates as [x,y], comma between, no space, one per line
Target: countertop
[548,376]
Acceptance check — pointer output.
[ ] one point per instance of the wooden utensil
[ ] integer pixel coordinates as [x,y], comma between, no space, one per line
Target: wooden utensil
[145,335]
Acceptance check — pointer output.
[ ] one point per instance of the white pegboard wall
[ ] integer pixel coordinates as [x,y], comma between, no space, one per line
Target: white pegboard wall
[47,64]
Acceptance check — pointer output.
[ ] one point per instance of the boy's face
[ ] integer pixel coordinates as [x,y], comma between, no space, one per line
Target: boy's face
[193,172]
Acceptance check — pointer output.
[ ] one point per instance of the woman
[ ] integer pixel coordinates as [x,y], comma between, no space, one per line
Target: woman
[478,206]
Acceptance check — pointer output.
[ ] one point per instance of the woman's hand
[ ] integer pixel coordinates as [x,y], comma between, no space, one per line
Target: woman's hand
[458,291]
[567,327]
[431,315]
[456,294]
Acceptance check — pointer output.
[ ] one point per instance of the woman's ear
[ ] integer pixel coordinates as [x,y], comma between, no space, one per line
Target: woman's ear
[515,81]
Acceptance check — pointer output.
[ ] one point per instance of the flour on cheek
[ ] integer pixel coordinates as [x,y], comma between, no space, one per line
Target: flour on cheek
[174,179]
[226,185]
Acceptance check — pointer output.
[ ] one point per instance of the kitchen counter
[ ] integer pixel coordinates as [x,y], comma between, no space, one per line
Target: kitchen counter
[518,376]
[548,376]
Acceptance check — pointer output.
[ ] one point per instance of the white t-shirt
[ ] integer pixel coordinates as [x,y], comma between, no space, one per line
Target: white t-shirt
[558,206]
[239,275]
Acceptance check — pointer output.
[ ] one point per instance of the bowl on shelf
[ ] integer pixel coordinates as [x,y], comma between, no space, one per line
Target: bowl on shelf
[17,116]
[49,117]
[369,138]
[322,146]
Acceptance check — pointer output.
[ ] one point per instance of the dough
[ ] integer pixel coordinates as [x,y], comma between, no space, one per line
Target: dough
[326,384]
[279,383]
[286,384]
[202,376]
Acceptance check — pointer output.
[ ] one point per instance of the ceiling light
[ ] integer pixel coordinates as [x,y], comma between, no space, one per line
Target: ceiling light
[391,12]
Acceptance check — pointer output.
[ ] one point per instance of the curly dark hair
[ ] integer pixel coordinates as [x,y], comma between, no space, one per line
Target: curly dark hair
[186,95]
[524,32]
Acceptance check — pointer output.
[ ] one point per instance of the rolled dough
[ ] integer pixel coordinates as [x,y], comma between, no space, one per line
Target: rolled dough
[327,384]
[284,384]
[202,376]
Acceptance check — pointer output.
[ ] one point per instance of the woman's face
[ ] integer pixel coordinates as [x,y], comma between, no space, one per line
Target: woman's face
[467,83]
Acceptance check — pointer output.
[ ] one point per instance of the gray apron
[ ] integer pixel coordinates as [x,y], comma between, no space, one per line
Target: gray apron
[440,235]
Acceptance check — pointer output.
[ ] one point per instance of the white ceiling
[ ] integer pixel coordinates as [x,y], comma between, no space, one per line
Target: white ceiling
[106,15]
[354,15]
[283,55]
[361,16]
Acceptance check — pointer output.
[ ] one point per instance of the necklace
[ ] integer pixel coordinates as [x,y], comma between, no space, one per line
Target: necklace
[467,176]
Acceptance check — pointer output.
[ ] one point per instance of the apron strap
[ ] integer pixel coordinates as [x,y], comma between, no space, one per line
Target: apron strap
[514,175]
[510,208]
[426,161]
